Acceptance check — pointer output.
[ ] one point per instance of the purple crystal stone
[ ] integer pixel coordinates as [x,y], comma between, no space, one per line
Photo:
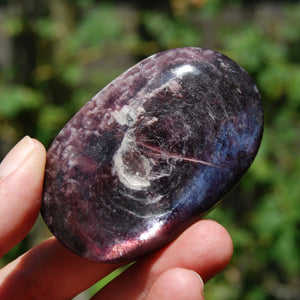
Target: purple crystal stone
[151,153]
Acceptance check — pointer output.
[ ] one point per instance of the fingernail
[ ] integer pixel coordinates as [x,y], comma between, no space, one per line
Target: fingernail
[199,277]
[17,155]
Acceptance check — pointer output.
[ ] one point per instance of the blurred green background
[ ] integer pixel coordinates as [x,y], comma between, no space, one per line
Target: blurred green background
[55,55]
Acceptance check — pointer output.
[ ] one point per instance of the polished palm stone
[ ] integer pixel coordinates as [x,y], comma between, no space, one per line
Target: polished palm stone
[151,153]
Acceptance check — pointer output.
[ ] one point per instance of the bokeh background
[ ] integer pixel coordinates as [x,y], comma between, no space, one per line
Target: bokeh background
[55,55]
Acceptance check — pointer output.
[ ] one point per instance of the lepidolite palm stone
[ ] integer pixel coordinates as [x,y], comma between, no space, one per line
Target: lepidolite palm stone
[151,153]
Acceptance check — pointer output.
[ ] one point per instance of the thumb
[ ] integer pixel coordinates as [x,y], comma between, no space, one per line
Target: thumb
[21,184]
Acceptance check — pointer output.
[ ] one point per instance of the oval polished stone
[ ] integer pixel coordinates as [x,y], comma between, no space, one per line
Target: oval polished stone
[151,153]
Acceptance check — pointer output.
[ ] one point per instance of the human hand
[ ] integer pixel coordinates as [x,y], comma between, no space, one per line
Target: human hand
[50,271]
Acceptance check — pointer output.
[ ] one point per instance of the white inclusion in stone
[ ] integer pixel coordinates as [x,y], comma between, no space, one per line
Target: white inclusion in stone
[255,89]
[128,115]
[132,181]
[209,52]
[136,179]
[185,69]
[134,169]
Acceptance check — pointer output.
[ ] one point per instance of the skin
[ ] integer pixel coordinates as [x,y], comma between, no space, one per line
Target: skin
[50,271]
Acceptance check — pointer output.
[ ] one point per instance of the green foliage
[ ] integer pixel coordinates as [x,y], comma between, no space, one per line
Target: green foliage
[50,120]
[273,224]
[80,46]
[96,29]
[169,32]
[107,279]
[15,99]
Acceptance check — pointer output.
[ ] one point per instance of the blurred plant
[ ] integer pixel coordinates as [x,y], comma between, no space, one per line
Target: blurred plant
[266,230]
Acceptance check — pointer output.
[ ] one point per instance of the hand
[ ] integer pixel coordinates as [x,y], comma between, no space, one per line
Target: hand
[50,271]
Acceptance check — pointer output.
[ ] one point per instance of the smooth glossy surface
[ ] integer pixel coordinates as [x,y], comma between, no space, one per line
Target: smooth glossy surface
[151,153]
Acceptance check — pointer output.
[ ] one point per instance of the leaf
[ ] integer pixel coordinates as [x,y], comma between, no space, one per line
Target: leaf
[96,29]
[15,99]
[169,32]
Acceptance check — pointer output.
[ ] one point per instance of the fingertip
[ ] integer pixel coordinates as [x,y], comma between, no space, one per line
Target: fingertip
[35,165]
[176,284]
[21,184]
[223,238]
[205,247]
[16,157]
[208,245]
[221,233]
[219,246]
[27,150]
[38,146]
